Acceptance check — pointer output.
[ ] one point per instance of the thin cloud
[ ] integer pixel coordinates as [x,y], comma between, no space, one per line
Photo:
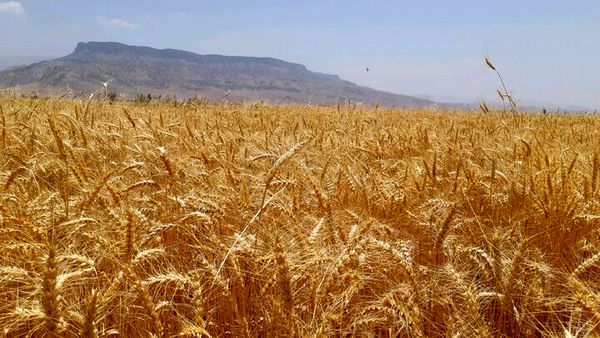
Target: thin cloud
[12,7]
[112,22]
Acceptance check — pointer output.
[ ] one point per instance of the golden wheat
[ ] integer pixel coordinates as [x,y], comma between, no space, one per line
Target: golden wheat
[236,220]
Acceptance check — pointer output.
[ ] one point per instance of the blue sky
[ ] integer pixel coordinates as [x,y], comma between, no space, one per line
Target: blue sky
[548,51]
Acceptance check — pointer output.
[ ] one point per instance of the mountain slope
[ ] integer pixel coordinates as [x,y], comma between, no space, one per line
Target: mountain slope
[14,61]
[143,70]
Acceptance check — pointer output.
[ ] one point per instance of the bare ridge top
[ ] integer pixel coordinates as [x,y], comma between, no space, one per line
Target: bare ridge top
[88,49]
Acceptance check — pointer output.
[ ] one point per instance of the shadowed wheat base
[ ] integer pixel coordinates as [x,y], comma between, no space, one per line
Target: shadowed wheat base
[199,220]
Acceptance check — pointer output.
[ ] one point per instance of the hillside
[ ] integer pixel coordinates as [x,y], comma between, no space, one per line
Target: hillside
[142,70]
[13,61]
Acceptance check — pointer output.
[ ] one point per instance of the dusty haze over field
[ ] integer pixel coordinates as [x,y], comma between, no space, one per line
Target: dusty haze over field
[545,49]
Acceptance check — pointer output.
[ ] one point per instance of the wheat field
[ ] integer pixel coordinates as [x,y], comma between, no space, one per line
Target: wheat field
[170,219]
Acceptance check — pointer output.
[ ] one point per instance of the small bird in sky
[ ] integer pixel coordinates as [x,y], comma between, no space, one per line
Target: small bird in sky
[368,69]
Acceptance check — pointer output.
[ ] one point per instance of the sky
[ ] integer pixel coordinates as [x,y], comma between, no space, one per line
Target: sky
[547,51]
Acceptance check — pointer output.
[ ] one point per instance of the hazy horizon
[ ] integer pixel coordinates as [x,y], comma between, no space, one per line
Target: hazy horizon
[544,49]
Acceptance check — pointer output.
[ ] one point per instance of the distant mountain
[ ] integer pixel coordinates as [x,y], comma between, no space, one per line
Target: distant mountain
[11,61]
[145,70]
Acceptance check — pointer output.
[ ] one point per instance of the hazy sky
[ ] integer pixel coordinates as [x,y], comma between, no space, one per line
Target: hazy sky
[548,51]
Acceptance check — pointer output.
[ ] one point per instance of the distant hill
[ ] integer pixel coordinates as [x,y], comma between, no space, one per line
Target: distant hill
[145,70]
[10,61]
